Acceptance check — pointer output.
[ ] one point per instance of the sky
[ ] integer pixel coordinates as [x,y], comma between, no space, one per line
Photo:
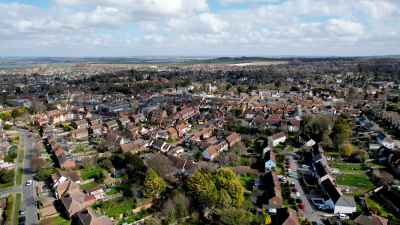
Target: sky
[116,28]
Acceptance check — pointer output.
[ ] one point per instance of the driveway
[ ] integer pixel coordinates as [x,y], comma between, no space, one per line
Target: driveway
[311,211]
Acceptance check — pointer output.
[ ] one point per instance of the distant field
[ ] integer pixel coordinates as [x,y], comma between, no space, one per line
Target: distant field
[119,64]
[21,66]
[261,63]
[62,65]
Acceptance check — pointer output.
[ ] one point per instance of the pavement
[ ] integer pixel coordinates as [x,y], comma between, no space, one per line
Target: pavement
[311,212]
[27,201]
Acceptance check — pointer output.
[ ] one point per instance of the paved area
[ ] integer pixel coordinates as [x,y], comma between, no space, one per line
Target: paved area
[311,212]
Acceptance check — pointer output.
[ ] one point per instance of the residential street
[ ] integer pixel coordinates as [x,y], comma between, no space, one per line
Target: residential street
[311,211]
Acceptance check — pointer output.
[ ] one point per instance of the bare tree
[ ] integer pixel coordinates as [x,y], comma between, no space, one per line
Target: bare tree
[36,163]
[135,190]
[168,208]
[87,163]
[36,149]
[161,165]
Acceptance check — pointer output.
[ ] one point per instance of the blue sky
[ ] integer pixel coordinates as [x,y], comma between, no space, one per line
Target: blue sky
[199,27]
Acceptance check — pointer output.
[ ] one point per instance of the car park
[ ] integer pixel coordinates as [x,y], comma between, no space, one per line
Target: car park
[28,183]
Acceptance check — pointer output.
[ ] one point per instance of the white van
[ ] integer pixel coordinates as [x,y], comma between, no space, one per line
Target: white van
[344,216]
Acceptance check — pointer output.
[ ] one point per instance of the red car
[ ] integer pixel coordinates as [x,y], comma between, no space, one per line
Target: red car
[295,190]
[180,138]
[157,129]
[288,159]
[134,139]
[30,135]
[288,166]
[302,206]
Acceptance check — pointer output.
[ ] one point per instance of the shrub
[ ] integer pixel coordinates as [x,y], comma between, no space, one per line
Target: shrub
[390,216]
[330,221]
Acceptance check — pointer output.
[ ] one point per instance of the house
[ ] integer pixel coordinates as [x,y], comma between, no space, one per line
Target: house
[273,192]
[182,166]
[170,109]
[79,133]
[277,138]
[176,152]
[65,187]
[286,216]
[135,147]
[66,160]
[75,202]
[88,217]
[132,132]
[95,129]
[265,145]
[181,129]
[47,130]
[322,173]
[158,113]
[114,139]
[94,190]
[385,140]
[230,118]
[187,113]
[290,125]
[306,140]
[270,160]
[161,146]
[93,120]
[326,110]
[80,124]
[317,153]
[62,176]
[233,139]
[138,118]
[213,151]
[362,219]
[123,121]
[335,200]
[111,125]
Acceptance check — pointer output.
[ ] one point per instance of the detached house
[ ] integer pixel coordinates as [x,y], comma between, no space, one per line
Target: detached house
[277,138]
[123,121]
[161,146]
[88,217]
[382,139]
[306,140]
[95,129]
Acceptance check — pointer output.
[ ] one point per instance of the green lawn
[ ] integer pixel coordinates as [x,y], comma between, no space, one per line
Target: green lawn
[55,220]
[91,184]
[21,154]
[19,175]
[376,164]
[331,153]
[380,208]
[347,167]
[20,160]
[17,208]
[90,174]
[171,141]
[7,185]
[358,207]
[136,217]
[118,208]
[119,187]
[354,180]
[290,149]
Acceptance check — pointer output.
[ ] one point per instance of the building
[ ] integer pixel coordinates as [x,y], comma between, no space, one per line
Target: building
[79,133]
[158,113]
[306,140]
[88,217]
[277,138]
[286,216]
[273,192]
[270,160]
[80,124]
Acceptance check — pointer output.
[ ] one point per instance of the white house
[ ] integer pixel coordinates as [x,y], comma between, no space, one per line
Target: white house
[335,200]
[385,140]
[277,138]
[161,146]
[306,140]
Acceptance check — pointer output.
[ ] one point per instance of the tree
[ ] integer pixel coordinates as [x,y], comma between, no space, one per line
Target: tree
[396,99]
[15,113]
[346,149]
[226,179]
[6,176]
[224,200]
[161,164]
[37,107]
[7,127]
[268,219]
[169,210]
[182,204]
[36,163]
[233,216]
[36,149]
[319,124]
[340,130]
[202,190]
[152,184]
[238,112]
[134,160]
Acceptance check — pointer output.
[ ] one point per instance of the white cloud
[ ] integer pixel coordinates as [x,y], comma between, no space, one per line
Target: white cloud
[246,1]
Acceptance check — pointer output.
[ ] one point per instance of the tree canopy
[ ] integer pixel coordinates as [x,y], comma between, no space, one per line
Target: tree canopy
[153,184]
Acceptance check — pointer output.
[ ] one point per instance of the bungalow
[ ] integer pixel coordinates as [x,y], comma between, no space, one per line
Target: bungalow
[161,146]
[183,166]
[135,147]
[306,140]
[277,138]
[79,133]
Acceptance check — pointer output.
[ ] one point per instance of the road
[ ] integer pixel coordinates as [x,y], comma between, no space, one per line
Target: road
[311,211]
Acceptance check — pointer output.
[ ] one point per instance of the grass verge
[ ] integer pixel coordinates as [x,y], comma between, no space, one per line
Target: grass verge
[21,153]
[19,175]
[17,208]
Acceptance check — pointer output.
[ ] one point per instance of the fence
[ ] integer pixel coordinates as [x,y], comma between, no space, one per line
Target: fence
[108,197]
[87,181]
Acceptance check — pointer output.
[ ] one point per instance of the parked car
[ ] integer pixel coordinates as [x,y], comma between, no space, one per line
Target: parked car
[298,194]
[314,223]
[22,219]
[302,206]
[295,190]
[186,150]
[288,166]
[305,166]
[289,170]
[287,159]
[299,200]
[22,211]
[28,183]
[344,216]
[30,135]
[292,184]
[289,174]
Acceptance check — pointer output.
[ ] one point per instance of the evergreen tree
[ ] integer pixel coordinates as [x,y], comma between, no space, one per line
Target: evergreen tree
[152,184]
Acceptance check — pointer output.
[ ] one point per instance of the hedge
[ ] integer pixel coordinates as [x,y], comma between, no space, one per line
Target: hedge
[6,185]
[9,210]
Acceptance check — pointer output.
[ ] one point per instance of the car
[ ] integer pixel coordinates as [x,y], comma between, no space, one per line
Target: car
[180,138]
[295,190]
[297,194]
[299,200]
[305,166]
[157,129]
[289,170]
[28,183]
[287,162]
[22,219]
[287,159]
[30,135]
[186,150]
[289,174]
[288,166]
[344,216]
[314,223]
[22,211]
[134,139]
[292,184]
[302,206]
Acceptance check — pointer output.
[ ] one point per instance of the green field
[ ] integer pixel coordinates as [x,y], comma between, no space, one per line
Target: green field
[355,180]
[55,220]
[20,171]
[62,65]
[20,66]
[17,208]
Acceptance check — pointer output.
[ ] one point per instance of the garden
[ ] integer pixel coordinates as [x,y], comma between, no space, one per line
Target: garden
[120,187]
[115,206]
[354,180]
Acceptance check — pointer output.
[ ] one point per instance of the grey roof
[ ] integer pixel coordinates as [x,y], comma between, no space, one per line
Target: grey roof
[384,137]
[346,200]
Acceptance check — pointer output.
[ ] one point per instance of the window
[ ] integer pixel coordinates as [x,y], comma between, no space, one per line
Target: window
[275,202]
